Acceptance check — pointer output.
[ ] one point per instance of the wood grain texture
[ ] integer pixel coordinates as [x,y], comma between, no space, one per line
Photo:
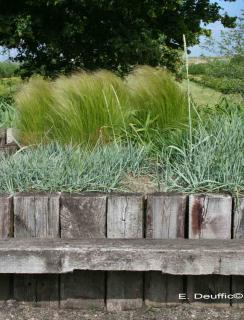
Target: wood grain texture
[5,288]
[11,133]
[8,149]
[83,216]
[208,285]
[2,137]
[174,256]
[238,233]
[83,290]
[36,215]
[165,216]
[37,290]
[6,231]
[124,290]
[6,216]
[124,220]
[210,217]
[162,289]
[165,220]
[125,216]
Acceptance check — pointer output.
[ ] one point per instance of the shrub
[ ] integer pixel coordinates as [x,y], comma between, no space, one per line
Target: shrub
[8,87]
[224,85]
[8,69]
[226,76]
[198,68]
[237,59]
[6,114]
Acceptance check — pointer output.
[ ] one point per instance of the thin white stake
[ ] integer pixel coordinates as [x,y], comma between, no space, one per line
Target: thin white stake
[188,90]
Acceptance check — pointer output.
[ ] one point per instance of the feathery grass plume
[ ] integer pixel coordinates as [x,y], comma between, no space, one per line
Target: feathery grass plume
[34,111]
[89,107]
[100,107]
[158,101]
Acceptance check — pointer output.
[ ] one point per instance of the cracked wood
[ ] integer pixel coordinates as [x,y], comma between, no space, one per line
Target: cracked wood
[178,257]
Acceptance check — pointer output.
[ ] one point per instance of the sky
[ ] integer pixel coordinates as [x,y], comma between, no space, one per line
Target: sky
[232,8]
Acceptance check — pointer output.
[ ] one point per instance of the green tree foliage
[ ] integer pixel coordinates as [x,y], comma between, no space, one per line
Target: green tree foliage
[231,41]
[8,69]
[53,36]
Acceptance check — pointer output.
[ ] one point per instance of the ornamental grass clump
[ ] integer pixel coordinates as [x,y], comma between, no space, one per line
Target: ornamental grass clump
[83,108]
[89,107]
[100,107]
[34,105]
[157,100]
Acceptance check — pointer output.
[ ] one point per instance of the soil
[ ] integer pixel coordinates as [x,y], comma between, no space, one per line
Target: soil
[184,312]
[141,184]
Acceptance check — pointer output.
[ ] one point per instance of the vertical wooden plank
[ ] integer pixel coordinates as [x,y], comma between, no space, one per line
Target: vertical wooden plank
[5,288]
[47,290]
[83,216]
[8,149]
[165,220]
[2,137]
[6,216]
[36,215]
[208,285]
[125,220]
[210,217]
[10,136]
[238,233]
[166,216]
[6,231]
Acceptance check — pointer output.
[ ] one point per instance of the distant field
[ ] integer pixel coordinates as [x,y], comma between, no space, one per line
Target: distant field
[220,75]
[196,60]
[207,96]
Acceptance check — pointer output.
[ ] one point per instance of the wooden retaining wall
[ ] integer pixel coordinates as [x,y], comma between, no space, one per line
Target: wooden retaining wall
[123,215]
[7,141]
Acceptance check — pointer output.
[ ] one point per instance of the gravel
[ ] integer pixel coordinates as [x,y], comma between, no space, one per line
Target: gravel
[184,312]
